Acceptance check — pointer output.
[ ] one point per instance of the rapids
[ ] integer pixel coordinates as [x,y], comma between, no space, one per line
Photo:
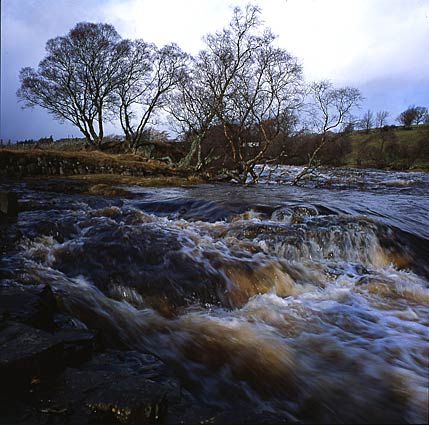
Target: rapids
[311,303]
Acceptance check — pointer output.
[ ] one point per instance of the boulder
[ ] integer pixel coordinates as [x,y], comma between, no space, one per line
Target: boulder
[26,354]
[30,305]
[115,387]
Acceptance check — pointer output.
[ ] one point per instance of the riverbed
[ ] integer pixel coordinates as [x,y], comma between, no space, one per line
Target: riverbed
[307,304]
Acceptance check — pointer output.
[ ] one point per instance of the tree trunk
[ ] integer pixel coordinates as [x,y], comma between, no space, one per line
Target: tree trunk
[195,149]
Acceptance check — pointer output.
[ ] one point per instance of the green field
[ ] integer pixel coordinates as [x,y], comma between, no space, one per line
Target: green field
[390,147]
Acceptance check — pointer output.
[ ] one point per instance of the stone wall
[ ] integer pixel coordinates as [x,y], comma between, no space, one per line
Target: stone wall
[14,164]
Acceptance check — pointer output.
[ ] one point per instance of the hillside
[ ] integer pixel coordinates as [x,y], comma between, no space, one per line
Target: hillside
[390,147]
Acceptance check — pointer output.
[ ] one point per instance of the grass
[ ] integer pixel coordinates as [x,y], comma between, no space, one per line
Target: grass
[395,148]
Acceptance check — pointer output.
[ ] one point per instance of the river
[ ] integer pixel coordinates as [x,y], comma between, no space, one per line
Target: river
[311,303]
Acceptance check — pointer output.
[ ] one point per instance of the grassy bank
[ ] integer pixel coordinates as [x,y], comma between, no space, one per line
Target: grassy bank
[390,147]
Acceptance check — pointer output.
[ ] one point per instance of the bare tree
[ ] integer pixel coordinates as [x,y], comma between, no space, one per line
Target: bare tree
[329,108]
[192,112]
[412,115]
[367,121]
[196,106]
[407,117]
[244,85]
[381,117]
[76,80]
[421,112]
[148,75]
[257,106]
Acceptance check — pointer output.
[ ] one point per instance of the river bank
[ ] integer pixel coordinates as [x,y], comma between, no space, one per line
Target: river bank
[17,164]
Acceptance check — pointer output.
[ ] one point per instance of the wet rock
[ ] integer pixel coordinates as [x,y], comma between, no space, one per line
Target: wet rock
[108,190]
[253,231]
[8,203]
[59,230]
[26,353]
[300,213]
[33,306]
[249,417]
[78,345]
[143,258]
[131,401]
[405,250]
[115,387]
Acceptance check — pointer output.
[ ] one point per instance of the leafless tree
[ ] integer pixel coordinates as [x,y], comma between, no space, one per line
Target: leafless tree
[367,121]
[328,109]
[191,109]
[381,118]
[258,105]
[196,105]
[148,75]
[76,80]
[420,112]
[242,83]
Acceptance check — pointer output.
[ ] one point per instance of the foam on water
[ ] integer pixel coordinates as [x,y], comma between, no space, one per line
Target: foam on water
[322,316]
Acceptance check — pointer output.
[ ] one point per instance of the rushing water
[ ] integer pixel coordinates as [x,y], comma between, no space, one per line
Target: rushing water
[310,302]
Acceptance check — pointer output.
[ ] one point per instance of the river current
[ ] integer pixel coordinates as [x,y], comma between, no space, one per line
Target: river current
[308,302]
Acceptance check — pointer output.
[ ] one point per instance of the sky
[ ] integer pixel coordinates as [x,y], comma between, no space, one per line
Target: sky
[378,46]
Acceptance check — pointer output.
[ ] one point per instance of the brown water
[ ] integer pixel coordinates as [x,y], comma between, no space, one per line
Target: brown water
[312,303]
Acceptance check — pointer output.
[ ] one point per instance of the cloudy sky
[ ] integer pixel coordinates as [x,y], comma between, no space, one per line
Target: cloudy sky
[378,46]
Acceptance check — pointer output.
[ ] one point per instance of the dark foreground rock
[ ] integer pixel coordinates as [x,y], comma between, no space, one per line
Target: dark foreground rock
[115,387]
[26,353]
[30,305]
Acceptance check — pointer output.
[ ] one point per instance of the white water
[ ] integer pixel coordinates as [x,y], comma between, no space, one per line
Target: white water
[320,316]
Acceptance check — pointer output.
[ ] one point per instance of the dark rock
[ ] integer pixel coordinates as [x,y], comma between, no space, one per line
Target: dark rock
[60,231]
[78,345]
[33,306]
[138,365]
[26,353]
[8,203]
[64,186]
[114,387]
[131,401]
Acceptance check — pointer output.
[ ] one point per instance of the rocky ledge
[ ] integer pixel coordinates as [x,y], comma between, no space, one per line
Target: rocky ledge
[54,370]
